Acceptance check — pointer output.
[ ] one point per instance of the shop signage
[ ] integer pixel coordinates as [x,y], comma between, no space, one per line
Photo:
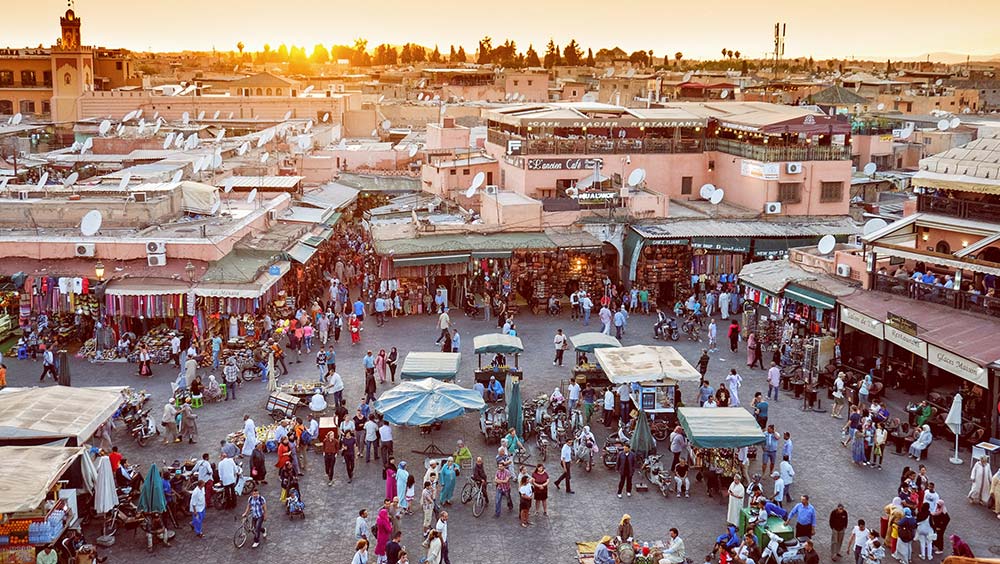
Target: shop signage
[901,323]
[628,123]
[596,196]
[759,170]
[905,340]
[731,245]
[862,322]
[958,365]
[564,164]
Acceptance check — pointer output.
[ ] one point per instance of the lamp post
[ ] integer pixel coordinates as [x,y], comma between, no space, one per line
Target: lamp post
[99,270]
[189,268]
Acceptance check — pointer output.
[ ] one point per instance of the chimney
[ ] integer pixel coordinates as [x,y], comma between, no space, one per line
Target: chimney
[448,122]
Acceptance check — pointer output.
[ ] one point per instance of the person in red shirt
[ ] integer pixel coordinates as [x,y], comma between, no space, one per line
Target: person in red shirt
[115,457]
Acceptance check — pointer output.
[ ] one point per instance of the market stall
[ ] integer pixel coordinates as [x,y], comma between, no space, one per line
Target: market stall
[437,365]
[497,344]
[36,512]
[42,415]
[583,370]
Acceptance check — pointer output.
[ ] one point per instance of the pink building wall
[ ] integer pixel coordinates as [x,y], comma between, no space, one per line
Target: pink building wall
[534,86]
[440,181]
[118,103]
[447,136]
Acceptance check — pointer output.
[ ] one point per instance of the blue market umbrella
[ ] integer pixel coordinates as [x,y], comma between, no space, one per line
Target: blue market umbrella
[151,498]
[422,402]
[515,411]
[642,442]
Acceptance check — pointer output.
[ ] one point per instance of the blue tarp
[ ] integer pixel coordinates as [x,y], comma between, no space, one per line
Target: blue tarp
[422,402]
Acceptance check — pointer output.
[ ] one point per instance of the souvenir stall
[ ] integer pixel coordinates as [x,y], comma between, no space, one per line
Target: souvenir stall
[585,371]
[37,510]
[265,434]
[420,277]
[538,274]
[139,305]
[10,301]
[664,267]
[69,304]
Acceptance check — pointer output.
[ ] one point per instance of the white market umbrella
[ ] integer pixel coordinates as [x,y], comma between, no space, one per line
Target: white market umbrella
[954,422]
[105,495]
[272,378]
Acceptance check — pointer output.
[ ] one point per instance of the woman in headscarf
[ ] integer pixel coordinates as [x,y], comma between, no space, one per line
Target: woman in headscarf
[625,531]
[892,513]
[432,468]
[284,453]
[858,448]
[355,327]
[389,474]
[212,391]
[449,471]
[981,473]
[383,530]
[402,483]
[557,401]
[751,349]
[736,493]
[923,441]
[380,365]
[960,548]
[939,522]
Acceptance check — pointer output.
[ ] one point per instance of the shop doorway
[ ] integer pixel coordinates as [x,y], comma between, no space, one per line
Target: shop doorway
[667,295]
[612,266]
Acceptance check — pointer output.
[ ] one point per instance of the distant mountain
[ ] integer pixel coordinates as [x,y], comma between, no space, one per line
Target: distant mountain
[951,58]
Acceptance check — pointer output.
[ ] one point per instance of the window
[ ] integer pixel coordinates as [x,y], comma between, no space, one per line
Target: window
[118,65]
[831,192]
[686,183]
[27,107]
[515,83]
[6,107]
[28,78]
[465,172]
[277,92]
[268,91]
[529,82]
[453,172]
[260,92]
[6,78]
[46,108]
[47,78]
[943,247]
[789,192]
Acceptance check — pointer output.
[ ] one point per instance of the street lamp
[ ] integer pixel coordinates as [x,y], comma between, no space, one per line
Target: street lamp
[190,271]
[99,270]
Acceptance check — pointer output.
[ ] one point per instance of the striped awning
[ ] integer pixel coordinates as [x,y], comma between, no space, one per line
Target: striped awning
[809,297]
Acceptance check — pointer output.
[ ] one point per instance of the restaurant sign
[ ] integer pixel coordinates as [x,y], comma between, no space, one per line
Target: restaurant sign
[564,164]
[958,365]
[759,170]
[905,341]
[861,321]
[645,123]
[901,323]
[595,197]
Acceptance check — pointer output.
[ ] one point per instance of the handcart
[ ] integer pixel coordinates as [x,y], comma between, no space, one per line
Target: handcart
[281,405]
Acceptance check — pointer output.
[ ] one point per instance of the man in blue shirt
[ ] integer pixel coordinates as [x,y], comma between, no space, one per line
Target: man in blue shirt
[786,449]
[257,508]
[770,450]
[805,518]
[704,392]
[359,309]
[380,310]
[216,349]
[619,322]
[331,362]
[369,363]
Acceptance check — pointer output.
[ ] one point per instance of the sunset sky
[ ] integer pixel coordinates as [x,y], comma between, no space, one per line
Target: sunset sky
[698,28]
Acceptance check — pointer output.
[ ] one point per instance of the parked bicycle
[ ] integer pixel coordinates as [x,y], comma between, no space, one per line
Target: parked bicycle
[476,493]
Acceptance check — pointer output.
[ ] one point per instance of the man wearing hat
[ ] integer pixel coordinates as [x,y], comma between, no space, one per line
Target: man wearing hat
[602,554]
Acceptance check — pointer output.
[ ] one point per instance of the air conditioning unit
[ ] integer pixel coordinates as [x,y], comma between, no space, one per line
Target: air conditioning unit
[85,249]
[772,208]
[844,270]
[492,190]
[156,260]
[139,196]
[272,215]
[156,248]
[793,168]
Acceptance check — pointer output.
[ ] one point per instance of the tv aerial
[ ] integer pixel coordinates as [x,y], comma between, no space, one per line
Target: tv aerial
[227,186]
[943,125]
[126,178]
[168,140]
[412,151]
[724,94]
[880,106]
[220,135]
[91,223]
[308,89]
[264,156]
[43,180]
[326,117]
[636,177]
[178,175]
[288,116]
[88,144]
[216,114]
[477,182]
[826,244]
[309,125]
[17,119]
[71,179]
[955,122]
[185,118]
[104,128]
[243,148]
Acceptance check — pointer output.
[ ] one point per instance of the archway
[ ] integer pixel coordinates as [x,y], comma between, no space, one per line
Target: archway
[943,247]
[989,254]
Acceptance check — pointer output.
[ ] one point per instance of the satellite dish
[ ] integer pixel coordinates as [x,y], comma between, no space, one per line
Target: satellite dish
[305,142]
[308,89]
[179,140]
[91,223]
[104,128]
[231,114]
[192,141]
[572,192]
[141,128]
[243,148]
[478,179]
[43,180]
[380,98]
[938,82]
[3,182]
[201,115]
[687,76]
[706,191]
[873,225]
[220,135]
[198,165]
[966,110]
[437,97]
[88,144]
[880,106]
[826,244]
[413,151]
[185,118]
[156,127]
[608,73]
[216,114]
[71,179]
[420,96]
[943,125]
[128,116]
[309,125]
[120,129]
[16,120]
[178,175]
[288,115]
[636,177]
[326,117]
[375,133]
[227,186]
[215,207]
[156,115]
[386,124]
[123,185]
[470,192]
[252,196]
[138,113]
[717,196]
[724,94]
[870,169]
[264,156]
[216,161]
[955,122]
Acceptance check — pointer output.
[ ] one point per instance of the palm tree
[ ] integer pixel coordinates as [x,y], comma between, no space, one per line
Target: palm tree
[736,54]
[724,52]
[729,53]
[240,46]
[678,55]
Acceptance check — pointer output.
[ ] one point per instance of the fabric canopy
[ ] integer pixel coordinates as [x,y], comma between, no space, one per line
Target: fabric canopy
[422,402]
[55,412]
[515,411]
[642,363]
[719,427]
[146,287]
[587,342]
[199,198]
[255,289]
[497,343]
[440,365]
[29,473]
[642,441]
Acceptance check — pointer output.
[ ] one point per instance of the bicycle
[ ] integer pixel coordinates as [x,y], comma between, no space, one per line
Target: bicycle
[243,532]
[475,492]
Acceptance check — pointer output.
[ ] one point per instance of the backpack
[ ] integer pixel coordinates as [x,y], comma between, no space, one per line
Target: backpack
[905,531]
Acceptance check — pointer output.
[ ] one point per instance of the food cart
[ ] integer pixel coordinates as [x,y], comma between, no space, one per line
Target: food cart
[36,510]
[656,371]
[437,365]
[492,344]
[281,405]
[583,370]
[304,391]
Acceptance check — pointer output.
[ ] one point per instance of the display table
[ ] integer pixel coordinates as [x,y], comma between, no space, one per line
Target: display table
[483,375]
[775,524]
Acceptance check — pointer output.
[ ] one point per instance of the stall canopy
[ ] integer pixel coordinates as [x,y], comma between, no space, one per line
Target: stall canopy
[587,342]
[199,198]
[438,365]
[642,363]
[146,287]
[426,401]
[497,343]
[713,427]
[29,473]
[55,412]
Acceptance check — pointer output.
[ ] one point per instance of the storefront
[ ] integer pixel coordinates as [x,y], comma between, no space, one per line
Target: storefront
[861,339]
[714,257]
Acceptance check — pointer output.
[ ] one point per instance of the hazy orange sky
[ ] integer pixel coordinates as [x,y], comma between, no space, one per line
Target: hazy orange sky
[698,28]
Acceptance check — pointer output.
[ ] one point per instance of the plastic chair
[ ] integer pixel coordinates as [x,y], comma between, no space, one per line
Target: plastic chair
[197,402]
[224,389]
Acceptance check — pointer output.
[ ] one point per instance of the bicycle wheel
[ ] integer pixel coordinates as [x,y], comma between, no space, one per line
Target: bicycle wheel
[480,503]
[242,534]
[467,493]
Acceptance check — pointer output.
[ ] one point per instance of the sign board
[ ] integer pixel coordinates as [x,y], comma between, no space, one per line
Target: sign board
[862,322]
[901,323]
[958,365]
[905,340]
[573,123]
[759,170]
[564,164]
[596,196]
[514,147]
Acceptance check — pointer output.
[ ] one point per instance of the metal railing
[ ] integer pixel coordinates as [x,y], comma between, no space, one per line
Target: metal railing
[957,207]
[957,299]
[597,146]
[775,153]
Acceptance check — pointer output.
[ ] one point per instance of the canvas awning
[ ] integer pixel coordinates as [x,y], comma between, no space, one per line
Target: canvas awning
[713,427]
[430,260]
[255,289]
[55,412]
[809,297]
[146,287]
[497,343]
[587,342]
[29,474]
[643,363]
[301,252]
[438,365]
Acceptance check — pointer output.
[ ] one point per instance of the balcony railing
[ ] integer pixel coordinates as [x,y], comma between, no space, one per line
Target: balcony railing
[774,153]
[597,146]
[957,207]
[965,301]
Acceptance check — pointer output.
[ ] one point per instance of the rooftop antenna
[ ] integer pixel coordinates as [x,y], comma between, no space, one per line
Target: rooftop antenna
[477,182]
[43,180]
[943,125]
[955,122]
[288,115]
[178,175]
[724,94]
[216,114]
[706,191]
[826,244]
[185,118]
[16,120]
[201,115]
[252,196]
[220,135]
[168,140]
[717,196]
[326,117]
[91,223]
[243,148]
[264,156]
[88,144]
[309,125]
[104,128]
[71,179]
[308,89]
[413,151]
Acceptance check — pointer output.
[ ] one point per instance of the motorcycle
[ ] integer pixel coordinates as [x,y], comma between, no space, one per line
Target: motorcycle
[613,444]
[244,486]
[144,428]
[780,551]
[690,328]
[666,331]
[583,451]
[493,424]
[653,470]
[542,444]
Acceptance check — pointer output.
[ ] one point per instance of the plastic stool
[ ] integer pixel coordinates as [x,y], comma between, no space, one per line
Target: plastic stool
[196,402]
[224,389]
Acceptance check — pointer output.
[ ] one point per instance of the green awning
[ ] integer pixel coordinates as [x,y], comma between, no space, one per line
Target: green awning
[587,342]
[713,427]
[491,254]
[778,247]
[430,260]
[726,244]
[301,252]
[497,343]
[809,297]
